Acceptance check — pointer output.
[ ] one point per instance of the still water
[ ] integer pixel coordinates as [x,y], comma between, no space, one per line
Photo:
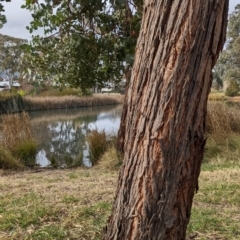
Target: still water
[61,134]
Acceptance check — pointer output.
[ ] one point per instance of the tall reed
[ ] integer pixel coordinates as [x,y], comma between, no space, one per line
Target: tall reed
[98,144]
[15,128]
[7,160]
[16,136]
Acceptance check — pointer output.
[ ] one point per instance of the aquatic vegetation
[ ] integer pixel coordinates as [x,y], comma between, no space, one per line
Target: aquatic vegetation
[7,160]
[98,144]
[17,138]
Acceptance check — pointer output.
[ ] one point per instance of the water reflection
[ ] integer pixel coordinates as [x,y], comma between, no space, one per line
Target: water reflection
[61,133]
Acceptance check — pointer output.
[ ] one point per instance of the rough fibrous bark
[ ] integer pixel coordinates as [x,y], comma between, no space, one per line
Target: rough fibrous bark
[163,122]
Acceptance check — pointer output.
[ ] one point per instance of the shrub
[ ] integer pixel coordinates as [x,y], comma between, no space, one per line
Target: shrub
[233,89]
[111,159]
[60,92]
[7,160]
[98,143]
[53,162]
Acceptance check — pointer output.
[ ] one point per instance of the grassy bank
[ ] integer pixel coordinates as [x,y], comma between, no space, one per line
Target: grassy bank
[74,204]
[60,204]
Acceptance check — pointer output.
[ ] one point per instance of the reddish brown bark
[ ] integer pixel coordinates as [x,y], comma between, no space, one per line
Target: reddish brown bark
[163,120]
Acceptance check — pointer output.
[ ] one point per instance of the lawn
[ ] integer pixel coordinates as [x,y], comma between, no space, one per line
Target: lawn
[75,203]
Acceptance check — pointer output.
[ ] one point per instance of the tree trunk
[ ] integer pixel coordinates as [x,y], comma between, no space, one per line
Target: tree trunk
[163,121]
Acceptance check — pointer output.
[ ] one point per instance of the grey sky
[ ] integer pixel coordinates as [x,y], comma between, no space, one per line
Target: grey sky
[19,18]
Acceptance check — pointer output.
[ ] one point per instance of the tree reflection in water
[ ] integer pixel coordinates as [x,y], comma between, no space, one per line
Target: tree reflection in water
[62,133]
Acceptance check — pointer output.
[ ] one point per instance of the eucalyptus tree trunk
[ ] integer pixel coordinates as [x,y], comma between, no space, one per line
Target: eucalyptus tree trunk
[163,120]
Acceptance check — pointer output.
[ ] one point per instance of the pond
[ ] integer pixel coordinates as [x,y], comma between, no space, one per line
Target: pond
[61,134]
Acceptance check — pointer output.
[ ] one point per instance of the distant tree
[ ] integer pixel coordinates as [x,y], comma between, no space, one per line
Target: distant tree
[217,81]
[11,55]
[228,64]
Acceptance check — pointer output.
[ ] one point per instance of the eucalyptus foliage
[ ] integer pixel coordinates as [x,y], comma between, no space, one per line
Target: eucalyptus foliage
[87,42]
[3,19]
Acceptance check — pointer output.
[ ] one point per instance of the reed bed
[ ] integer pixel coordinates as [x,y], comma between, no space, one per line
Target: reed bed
[13,103]
[15,128]
[98,144]
[17,142]
[43,103]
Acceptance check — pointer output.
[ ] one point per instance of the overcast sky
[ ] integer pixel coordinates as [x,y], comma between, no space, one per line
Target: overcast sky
[18,19]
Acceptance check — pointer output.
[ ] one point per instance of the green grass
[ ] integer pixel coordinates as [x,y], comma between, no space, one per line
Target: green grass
[75,205]
[21,212]
[215,213]
[73,175]
[220,193]
[213,166]
[70,199]
[212,223]
[51,232]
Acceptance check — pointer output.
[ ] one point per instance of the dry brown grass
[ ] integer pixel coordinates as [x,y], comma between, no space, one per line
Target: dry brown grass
[223,132]
[75,204]
[54,184]
[17,138]
[60,204]
[111,159]
[217,96]
[15,128]
[42,103]
[235,99]
[223,119]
